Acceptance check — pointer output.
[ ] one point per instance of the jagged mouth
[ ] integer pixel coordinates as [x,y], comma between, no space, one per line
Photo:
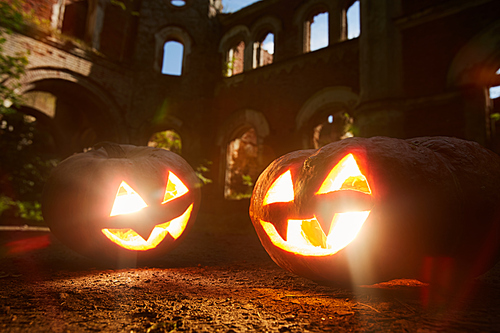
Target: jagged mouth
[131,240]
[306,237]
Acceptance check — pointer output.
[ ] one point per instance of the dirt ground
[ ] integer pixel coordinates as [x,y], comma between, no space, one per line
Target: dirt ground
[219,279]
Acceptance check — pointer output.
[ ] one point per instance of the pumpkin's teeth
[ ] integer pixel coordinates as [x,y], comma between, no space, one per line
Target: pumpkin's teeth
[306,237]
[306,233]
[131,240]
[344,228]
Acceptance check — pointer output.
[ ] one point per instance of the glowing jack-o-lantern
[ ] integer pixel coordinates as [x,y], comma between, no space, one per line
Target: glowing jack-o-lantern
[121,202]
[306,236]
[369,210]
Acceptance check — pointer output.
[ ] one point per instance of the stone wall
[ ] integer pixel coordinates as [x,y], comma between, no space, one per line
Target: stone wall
[412,72]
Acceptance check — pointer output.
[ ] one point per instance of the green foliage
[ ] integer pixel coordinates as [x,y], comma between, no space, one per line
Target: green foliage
[495,117]
[23,167]
[11,15]
[242,189]
[26,165]
[120,4]
[229,67]
[11,67]
[25,210]
[247,180]
[349,125]
[124,7]
[201,169]
[168,140]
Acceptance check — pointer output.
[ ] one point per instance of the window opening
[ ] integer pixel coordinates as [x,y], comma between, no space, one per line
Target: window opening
[494,109]
[169,140]
[173,54]
[353,21]
[178,3]
[241,166]
[75,18]
[333,127]
[234,62]
[494,92]
[318,28]
[264,51]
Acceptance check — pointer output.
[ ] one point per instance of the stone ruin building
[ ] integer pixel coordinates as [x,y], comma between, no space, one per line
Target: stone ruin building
[97,73]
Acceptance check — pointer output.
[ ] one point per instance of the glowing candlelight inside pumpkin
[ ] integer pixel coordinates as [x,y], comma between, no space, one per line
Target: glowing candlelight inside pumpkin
[345,176]
[129,201]
[281,190]
[129,239]
[306,236]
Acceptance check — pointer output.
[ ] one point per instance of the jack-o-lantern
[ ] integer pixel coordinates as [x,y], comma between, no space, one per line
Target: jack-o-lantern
[121,202]
[369,210]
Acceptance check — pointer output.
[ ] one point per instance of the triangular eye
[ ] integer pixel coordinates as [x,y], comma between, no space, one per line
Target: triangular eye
[127,201]
[281,190]
[345,176]
[175,188]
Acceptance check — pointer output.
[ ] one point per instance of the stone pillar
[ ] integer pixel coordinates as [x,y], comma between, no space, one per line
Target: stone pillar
[380,70]
[337,23]
[476,115]
[95,22]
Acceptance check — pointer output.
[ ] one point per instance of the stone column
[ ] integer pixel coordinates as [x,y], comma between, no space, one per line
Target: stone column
[337,23]
[476,115]
[380,70]
[95,22]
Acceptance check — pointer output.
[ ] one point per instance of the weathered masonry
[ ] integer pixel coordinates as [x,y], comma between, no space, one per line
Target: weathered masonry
[99,71]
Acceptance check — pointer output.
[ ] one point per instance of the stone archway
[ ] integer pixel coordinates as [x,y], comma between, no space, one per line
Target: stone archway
[471,73]
[241,159]
[477,61]
[79,111]
[336,103]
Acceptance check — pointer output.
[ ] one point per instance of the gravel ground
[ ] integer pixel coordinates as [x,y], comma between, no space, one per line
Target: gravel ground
[218,280]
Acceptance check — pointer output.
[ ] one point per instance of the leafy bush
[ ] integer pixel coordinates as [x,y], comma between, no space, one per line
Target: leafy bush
[24,166]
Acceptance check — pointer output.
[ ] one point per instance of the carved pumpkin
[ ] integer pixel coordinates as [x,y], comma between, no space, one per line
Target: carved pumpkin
[369,210]
[121,202]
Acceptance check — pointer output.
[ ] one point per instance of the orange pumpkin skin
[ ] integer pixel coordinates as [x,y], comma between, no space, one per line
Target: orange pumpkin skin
[433,200]
[79,195]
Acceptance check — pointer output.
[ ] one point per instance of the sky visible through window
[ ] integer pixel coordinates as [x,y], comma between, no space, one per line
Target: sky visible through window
[319,32]
[320,23]
[268,43]
[495,91]
[353,24]
[231,6]
[172,58]
[173,66]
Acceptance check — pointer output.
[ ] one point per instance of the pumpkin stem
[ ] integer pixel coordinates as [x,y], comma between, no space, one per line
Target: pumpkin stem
[114,150]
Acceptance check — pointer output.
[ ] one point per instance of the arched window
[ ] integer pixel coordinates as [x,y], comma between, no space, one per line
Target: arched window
[331,127]
[173,54]
[353,21]
[494,110]
[178,3]
[234,59]
[172,50]
[318,31]
[242,167]
[263,51]
[494,92]
[169,140]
